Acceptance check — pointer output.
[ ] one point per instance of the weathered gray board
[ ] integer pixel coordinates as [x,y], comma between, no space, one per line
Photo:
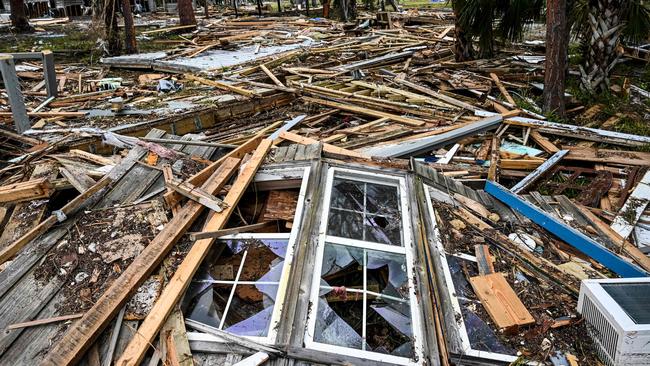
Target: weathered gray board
[425,144]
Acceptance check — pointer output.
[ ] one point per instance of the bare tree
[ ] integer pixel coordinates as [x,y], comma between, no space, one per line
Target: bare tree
[556,57]
[130,44]
[186,12]
[19,17]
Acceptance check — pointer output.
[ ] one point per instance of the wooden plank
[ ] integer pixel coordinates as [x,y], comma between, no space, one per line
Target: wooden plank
[326,147]
[484,259]
[26,191]
[199,178]
[222,85]
[607,156]
[195,194]
[628,248]
[502,89]
[494,159]
[175,337]
[366,111]
[271,76]
[71,346]
[538,172]
[77,177]
[543,142]
[629,214]
[234,230]
[28,214]
[500,301]
[255,359]
[172,293]
[44,321]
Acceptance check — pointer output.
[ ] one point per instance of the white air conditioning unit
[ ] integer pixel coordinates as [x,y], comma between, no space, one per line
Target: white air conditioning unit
[617,315]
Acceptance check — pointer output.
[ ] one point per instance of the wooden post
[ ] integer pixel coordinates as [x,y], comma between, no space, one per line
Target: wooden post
[50,73]
[555,65]
[16,101]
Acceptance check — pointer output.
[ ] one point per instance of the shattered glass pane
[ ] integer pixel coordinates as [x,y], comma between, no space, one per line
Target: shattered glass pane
[482,336]
[365,211]
[389,329]
[340,308]
[250,312]
[251,307]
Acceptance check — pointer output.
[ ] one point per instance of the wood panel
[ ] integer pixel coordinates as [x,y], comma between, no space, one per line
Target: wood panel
[501,301]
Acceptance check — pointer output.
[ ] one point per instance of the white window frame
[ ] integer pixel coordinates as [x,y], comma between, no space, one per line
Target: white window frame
[292,237]
[406,249]
[451,290]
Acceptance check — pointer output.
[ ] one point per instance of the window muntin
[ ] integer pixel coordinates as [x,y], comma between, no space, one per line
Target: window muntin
[365,211]
[241,287]
[379,284]
[358,281]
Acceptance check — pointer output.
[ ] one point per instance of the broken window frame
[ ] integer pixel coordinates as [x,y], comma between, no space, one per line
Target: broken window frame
[407,250]
[451,290]
[278,306]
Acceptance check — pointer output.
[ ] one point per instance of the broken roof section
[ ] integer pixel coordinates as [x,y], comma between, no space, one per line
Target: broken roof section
[326,203]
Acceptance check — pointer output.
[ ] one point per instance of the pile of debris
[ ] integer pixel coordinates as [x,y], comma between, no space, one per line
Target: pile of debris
[301,190]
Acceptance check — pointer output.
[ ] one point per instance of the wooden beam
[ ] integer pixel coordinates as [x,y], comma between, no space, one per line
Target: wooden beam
[271,76]
[543,142]
[175,337]
[502,89]
[326,147]
[172,293]
[231,231]
[366,111]
[255,359]
[222,85]
[631,212]
[195,194]
[80,336]
[173,198]
[26,191]
[484,259]
[538,172]
[627,247]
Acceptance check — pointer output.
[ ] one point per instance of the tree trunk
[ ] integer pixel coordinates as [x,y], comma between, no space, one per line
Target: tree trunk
[186,12]
[206,10]
[19,17]
[129,29]
[463,50]
[602,55]
[556,57]
[111,32]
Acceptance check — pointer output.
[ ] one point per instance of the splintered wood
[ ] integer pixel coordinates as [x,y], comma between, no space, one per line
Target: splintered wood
[500,301]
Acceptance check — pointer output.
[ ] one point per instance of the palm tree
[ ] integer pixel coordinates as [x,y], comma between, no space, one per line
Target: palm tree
[478,18]
[604,24]
[463,49]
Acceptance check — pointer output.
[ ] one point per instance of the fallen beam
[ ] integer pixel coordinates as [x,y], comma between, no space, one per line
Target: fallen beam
[568,234]
[426,144]
[633,208]
[174,290]
[539,172]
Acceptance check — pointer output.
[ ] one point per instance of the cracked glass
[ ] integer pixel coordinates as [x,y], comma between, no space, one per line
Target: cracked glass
[237,292]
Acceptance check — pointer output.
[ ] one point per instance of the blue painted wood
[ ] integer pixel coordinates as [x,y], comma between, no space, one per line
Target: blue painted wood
[568,234]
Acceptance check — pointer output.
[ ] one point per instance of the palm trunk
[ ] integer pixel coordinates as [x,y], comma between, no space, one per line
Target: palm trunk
[186,12]
[463,50]
[556,57]
[129,29]
[601,55]
[110,28]
[18,16]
